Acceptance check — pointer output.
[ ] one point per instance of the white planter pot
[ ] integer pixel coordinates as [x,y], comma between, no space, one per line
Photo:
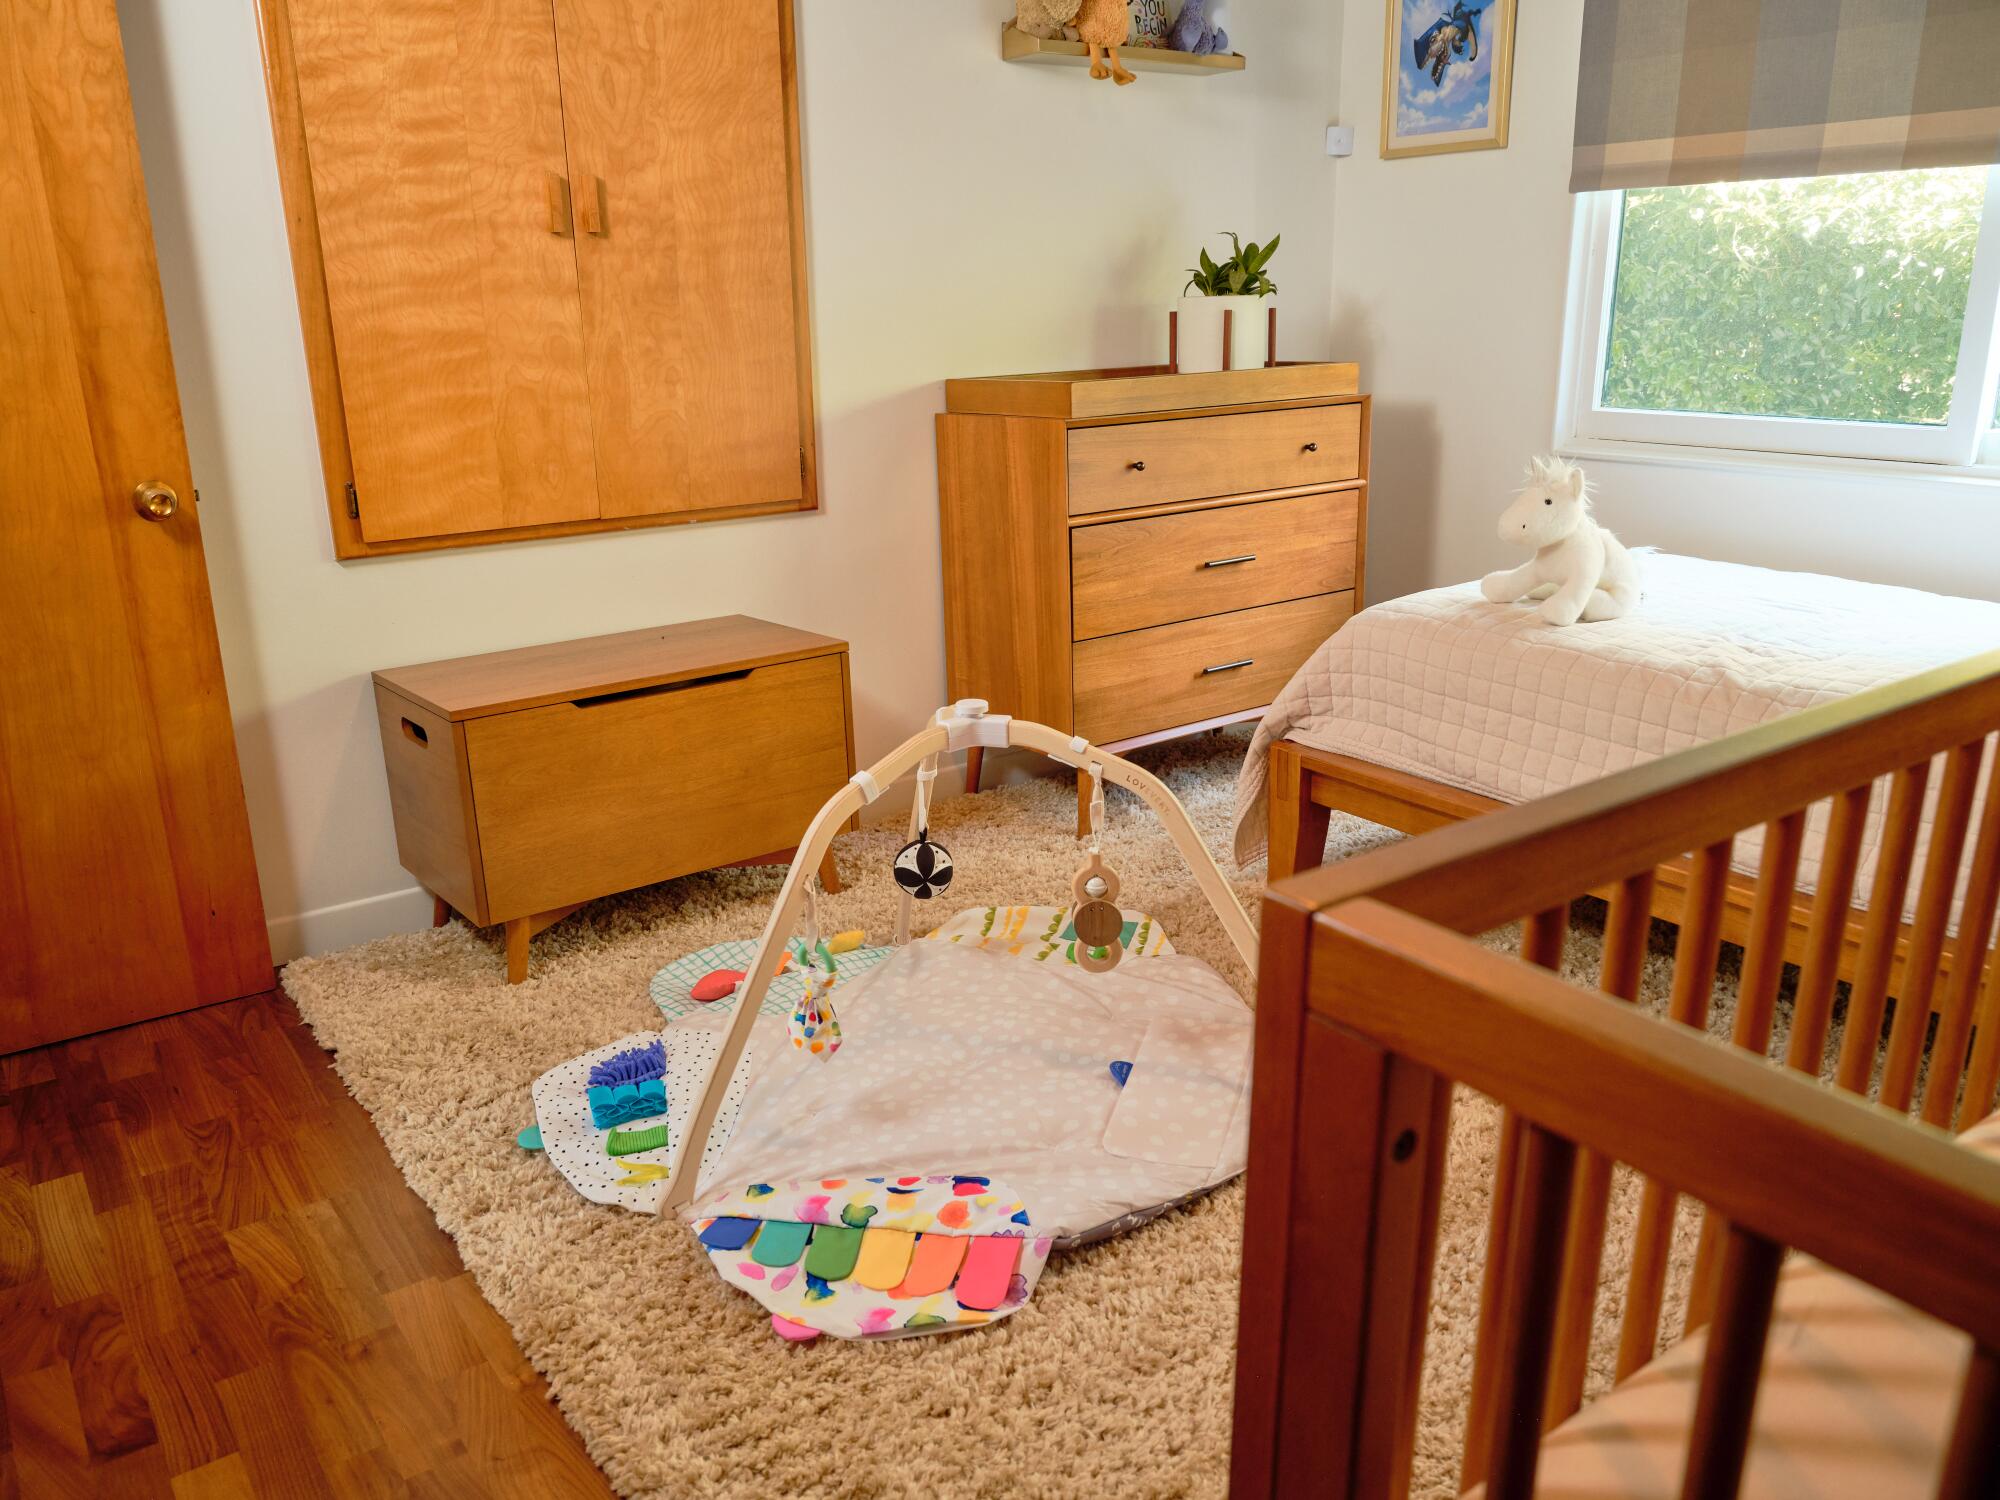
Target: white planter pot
[1200,338]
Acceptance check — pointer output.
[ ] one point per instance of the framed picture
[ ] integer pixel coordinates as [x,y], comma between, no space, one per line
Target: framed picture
[1447,76]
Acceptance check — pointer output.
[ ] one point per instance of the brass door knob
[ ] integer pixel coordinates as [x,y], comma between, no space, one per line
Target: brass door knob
[155,501]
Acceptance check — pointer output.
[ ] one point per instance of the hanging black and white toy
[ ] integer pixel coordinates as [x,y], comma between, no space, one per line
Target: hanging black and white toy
[922,867]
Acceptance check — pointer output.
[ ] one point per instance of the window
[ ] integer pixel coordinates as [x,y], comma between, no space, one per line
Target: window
[1853,316]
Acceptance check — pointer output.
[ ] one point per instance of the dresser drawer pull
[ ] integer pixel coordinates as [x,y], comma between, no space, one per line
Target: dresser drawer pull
[1312,447]
[1137,466]
[1230,562]
[1229,666]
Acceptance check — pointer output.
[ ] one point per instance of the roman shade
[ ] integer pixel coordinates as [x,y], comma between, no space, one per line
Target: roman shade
[1683,91]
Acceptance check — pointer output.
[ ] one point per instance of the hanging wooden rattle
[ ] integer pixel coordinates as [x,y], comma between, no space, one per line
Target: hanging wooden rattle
[923,868]
[1096,920]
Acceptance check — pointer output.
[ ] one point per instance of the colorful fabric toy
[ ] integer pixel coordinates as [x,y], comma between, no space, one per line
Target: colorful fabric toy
[814,1027]
[630,1086]
[880,1257]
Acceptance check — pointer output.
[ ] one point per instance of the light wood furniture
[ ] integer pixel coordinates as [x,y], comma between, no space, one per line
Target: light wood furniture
[1132,555]
[550,263]
[1376,996]
[1306,785]
[525,783]
[127,885]
[1016,46]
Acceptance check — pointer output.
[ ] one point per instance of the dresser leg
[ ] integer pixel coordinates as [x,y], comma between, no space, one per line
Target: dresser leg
[829,874]
[518,932]
[974,759]
[440,911]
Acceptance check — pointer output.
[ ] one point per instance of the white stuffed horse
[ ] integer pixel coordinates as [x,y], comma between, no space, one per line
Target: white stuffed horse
[1579,571]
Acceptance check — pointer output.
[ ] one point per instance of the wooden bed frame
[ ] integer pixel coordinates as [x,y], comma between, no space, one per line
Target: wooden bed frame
[1305,786]
[1375,997]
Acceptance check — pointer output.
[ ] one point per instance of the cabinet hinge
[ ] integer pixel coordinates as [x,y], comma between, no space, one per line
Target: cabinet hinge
[353,503]
[802,463]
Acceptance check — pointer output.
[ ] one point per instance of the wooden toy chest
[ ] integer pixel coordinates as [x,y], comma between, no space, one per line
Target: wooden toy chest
[525,783]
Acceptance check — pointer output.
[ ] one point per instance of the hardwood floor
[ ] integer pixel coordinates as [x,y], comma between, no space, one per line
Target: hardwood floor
[213,1282]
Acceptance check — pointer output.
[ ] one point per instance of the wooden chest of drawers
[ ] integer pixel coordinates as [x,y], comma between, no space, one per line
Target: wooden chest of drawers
[1132,555]
[525,783]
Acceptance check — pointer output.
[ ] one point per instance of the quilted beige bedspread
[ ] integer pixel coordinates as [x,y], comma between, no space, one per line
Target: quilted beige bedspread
[1487,697]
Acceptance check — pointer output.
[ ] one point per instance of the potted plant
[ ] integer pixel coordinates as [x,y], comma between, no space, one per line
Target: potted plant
[1239,285]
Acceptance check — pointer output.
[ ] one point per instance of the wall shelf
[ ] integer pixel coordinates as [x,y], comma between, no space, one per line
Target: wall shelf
[1016,46]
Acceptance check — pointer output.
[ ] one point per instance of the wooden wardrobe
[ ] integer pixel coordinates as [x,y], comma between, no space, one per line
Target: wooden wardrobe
[550,260]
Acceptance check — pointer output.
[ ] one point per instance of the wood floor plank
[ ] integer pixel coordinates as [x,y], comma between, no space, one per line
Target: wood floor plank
[20,1248]
[45,1432]
[73,1253]
[28,1328]
[271,1430]
[48,1146]
[179,1201]
[227,1478]
[194,1430]
[111,1403]
[214,1282]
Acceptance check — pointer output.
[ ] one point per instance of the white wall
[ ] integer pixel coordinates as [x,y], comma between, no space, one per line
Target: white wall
[1450,276]
[965,217]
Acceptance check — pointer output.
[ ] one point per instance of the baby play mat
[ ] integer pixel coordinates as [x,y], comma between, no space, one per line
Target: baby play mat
[895,1146]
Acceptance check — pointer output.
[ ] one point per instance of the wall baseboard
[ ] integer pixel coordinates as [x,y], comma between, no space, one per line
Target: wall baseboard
[326,928]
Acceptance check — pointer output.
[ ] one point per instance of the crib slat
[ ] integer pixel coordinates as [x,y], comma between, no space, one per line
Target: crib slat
[1870,989]
[1626,928]
[1511,1433]
[1920,970]
[1770,923]
[1984,1074]
[1832,905]
[1695,956]
[1731,1365]
[1975,932]
[1972,1459]
[1542,939]
[1757,998]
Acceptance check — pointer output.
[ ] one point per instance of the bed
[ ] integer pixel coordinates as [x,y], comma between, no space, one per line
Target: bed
[1843,1326]
[1441,706]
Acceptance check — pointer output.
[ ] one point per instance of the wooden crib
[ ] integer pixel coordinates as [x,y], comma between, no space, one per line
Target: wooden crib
[1376,996]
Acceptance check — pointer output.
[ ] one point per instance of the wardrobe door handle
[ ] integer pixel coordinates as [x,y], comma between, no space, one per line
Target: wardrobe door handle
[1230,562]
[1312,447]
[592,212]
[1229,666]
[1138,465]
[557,191]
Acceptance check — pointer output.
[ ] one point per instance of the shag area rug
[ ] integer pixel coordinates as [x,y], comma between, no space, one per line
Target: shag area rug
[1115,1379]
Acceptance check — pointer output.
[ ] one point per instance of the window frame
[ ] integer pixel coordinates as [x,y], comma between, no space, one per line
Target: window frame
[1966,439]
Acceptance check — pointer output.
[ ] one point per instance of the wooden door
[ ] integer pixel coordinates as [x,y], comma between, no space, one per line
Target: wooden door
[127,887]
[435,141]
[682,128]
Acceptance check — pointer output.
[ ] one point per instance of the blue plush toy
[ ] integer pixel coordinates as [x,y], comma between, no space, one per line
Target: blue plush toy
[1194,32]
[629,1086]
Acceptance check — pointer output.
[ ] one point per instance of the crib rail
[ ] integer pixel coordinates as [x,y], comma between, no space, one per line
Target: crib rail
[1375,995]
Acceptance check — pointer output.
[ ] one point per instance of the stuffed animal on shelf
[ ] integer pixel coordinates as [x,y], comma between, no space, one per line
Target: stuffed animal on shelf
[1044,18]
[1194,32]
[1102,24]
[1579,571]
